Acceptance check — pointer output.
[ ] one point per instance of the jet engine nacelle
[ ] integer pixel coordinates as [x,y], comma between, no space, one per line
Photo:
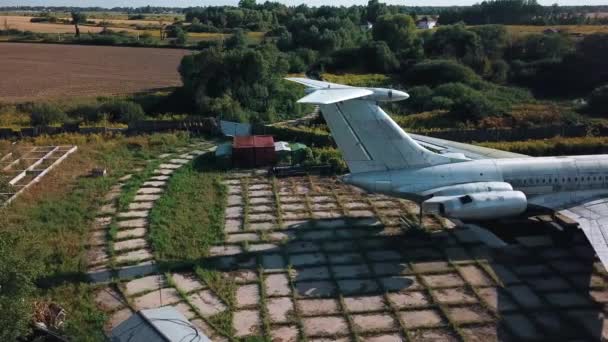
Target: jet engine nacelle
[478,206]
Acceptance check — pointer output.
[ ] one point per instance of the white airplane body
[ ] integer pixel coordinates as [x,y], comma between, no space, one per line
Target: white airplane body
[457,180]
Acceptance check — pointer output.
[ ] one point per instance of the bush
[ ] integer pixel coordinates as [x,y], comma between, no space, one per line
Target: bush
[597,102]
[439,102]
[418,97]
[45,114]
[475,106]
[123,111]
[435,72]
[89,113]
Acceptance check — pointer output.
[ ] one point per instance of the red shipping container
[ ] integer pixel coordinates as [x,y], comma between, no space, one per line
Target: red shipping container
[253,151]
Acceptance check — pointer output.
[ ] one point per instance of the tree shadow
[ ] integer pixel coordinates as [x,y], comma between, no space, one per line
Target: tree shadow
[529,292]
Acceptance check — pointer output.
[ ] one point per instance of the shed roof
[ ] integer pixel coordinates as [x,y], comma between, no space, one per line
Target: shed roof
[254,141]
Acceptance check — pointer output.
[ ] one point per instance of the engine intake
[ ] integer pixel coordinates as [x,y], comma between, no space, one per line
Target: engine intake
[478,206]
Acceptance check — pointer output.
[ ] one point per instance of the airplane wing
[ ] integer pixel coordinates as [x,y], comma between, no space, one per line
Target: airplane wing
[316,84]
[443,146]
[589,208]
[329,96]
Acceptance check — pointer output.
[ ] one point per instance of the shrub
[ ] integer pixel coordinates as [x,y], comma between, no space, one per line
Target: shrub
[435,72]
[475,106]
[123,111]
[89,113]
[439,102]
[597,102]
[418,96]
[45,114]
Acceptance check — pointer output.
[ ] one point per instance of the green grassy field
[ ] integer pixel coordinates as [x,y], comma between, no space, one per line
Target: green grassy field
[189,218]
[47,227]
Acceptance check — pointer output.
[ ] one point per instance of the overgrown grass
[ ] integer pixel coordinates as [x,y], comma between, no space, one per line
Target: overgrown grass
[554,146]
[189,217]
[50,222]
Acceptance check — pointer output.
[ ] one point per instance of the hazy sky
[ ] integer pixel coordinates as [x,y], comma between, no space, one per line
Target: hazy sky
[188,3]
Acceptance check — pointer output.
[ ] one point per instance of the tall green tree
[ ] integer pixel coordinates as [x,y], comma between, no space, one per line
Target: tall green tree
[399,33]
[78,18]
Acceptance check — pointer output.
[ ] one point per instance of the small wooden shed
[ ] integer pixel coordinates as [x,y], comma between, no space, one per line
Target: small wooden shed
[253,151]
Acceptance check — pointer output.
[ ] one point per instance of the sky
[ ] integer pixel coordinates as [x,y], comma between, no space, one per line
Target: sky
[190,3]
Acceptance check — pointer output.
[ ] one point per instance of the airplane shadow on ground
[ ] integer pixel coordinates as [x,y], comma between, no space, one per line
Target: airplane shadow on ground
[450,278]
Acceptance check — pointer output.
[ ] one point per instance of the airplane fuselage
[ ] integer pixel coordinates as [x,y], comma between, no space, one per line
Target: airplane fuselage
[532,176]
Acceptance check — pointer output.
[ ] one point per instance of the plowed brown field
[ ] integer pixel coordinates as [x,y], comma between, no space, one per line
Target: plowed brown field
[40,71]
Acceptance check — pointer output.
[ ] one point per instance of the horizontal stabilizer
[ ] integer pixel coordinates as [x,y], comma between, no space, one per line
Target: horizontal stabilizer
[316,84]
[329,96]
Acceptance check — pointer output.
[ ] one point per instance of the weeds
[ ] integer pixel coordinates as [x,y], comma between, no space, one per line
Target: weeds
[189,217]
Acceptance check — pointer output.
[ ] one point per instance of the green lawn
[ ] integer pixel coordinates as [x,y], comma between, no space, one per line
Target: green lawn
[189,217]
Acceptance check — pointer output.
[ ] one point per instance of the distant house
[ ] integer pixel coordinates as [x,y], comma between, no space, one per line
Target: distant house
[367,27]
[426,23]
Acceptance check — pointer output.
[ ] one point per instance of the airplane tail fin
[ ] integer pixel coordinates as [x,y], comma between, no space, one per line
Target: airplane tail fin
[371,141]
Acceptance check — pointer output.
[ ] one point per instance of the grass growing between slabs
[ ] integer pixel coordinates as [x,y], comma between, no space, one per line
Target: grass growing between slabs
[48,226]
[189,218]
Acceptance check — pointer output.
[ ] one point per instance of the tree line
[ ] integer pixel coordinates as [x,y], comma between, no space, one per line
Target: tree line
[471,71]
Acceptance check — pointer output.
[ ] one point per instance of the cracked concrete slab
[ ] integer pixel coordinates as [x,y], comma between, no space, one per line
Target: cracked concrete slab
[169,166]
[146,198]
[246,323]
[131,233]
[225,250]
[325,326]
[235,200]
[262,217]
[262,226]
[242,237]
[284,334]
[132,256]
[134,223]
[156,299]
[150,191]
[374,322]
[130,244]
[97,255]
[247,295]
[155,184]
[468,314]
[102,222]
[141,206]
[411,299]
[159,178]
[421,318]
[233,225]
[277,285]
[187,282]
[144,284]
[280,309]
[109,300]
[443,280]
[316,307]
[207,303]
[454,296]
[364,303]
[98,238]
[134,214]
